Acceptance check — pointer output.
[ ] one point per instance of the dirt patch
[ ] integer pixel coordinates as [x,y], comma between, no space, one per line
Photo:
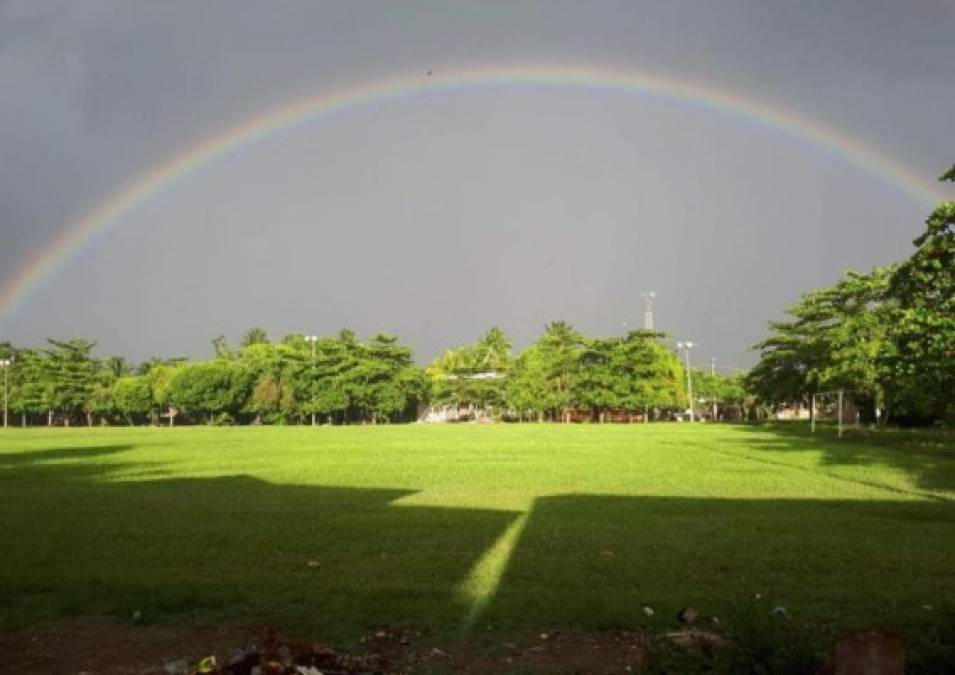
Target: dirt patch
[538,652]
[103,646]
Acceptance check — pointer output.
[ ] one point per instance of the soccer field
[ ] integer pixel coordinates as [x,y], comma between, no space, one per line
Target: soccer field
[335,530]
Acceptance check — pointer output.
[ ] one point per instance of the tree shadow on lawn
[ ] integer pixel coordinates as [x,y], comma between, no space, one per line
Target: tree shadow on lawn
[32,458]
[326,560]
[596,561]
[928,458]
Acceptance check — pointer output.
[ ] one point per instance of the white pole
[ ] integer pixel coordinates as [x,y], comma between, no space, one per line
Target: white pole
[313,339]
[812,413]
[689,376]
[648,297]
[313,375]
[713,374]
[689,382]
[840,413]
[6,389]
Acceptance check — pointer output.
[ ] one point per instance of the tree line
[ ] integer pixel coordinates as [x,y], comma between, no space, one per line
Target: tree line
[887,335]
[566,375]
[341,379]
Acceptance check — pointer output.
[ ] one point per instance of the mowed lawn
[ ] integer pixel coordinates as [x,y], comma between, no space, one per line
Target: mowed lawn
[333,531]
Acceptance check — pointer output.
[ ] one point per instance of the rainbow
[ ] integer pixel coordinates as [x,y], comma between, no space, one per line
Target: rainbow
[47,261]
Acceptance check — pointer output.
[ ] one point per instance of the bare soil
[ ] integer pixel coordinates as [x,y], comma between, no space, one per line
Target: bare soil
[107,646]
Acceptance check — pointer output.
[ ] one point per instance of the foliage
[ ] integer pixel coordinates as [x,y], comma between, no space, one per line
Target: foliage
[634,373]
[342,379]
[888,336]
[921,351]
[832,341]
[134,397]
[474,374]
[209,388]
[543,376]
[254,336]
[71,375]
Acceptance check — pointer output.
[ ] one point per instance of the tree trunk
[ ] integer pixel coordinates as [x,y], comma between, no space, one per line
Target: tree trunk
[89,420]
[941,409]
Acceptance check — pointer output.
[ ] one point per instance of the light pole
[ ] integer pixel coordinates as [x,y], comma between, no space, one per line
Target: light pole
[687,346]
[5,364]
[313,339]
[648,297]
[715,388]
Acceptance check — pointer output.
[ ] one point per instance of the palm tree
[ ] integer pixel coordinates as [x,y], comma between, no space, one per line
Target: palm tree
[494,351]
[117,366]
[254,336]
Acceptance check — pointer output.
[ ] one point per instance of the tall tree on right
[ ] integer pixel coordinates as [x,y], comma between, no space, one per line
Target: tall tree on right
[921,349]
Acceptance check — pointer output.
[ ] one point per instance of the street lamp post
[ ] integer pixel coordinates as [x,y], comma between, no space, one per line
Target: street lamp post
[5,364]
[715,388]
[648,297]
[687,346]
[312,339]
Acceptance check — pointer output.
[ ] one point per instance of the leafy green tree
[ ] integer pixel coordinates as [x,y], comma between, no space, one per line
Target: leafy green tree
[492,352]
[474,374]
[888,336]
[561,347]
[377,383]
[832,342]
[101,403]
[72,376]
[273,369]
[272,399]
[161,378]
[210,388]
[133,397]
[220,347]
[527,387]
[30,387]
[146,366]
[598,383]
[254,336]
[323,384]
[794,358]
[651,374]
[728,392]
[921,349]
[117,366]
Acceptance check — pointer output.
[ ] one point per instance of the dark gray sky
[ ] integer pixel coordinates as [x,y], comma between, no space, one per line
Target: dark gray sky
[437,216]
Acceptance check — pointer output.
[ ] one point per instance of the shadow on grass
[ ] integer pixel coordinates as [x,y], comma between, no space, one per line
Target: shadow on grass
[237,547]
[928,457]
[596,562]
[333,561]
[15,460]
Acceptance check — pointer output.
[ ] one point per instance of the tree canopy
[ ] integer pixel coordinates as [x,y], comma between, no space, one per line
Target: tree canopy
[887,335]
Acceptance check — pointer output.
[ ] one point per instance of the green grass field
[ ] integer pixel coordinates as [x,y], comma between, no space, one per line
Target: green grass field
[451,527]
